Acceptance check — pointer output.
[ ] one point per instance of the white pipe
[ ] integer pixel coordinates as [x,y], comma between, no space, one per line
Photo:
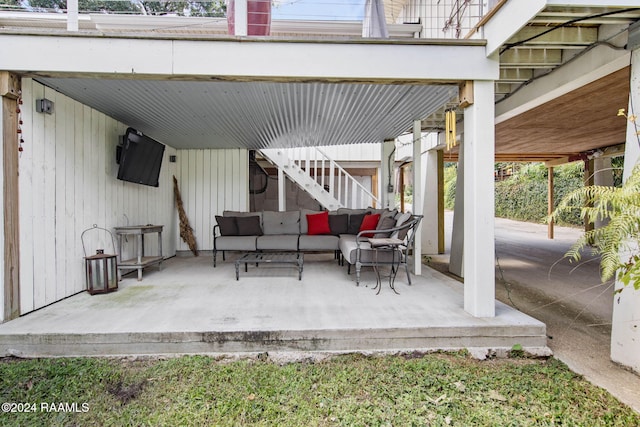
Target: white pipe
[72,15]
[241,18]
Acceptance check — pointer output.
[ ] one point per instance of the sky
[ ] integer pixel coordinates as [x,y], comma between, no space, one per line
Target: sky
[318,9]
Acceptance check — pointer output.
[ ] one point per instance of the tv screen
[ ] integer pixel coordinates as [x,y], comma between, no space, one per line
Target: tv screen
[140,159]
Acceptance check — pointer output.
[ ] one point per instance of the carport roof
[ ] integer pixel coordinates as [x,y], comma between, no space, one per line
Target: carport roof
[258,114]
[196,91]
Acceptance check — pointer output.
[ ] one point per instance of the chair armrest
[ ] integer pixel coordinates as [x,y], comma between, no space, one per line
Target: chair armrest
[408,225]
[216,228]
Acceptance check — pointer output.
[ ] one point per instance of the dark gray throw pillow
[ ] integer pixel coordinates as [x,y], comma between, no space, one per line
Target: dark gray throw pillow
[249,226]
[385,223]
[355,221]
[339,224]
[227,224]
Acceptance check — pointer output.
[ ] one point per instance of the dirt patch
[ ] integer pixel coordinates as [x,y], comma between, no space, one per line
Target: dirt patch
[125,393]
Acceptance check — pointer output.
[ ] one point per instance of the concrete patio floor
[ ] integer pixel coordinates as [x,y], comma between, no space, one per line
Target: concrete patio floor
[190,307]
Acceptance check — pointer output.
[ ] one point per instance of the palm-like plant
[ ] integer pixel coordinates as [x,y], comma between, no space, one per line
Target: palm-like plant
[618,243]
[620,238]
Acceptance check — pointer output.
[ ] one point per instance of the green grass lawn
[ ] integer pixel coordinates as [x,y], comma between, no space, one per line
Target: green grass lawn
[403,390]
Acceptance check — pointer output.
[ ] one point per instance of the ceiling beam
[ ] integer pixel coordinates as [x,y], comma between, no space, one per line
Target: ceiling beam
[531,58]
[508,20]
[540,35]
[371,61]
[590,67]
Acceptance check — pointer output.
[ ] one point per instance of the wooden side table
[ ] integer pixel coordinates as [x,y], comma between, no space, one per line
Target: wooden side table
[141,260]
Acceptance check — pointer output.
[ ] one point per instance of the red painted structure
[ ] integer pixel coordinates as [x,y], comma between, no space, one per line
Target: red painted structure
[258,17]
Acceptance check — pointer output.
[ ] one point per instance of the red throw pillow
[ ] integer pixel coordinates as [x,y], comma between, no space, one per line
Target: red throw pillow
[318,223]
[369,222]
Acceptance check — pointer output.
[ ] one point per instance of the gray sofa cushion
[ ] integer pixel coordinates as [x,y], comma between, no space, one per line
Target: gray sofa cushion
[304,225]
[385,223]
[350,211]
[235,243]
[401,218]
[339,224]
[279,242]
[249,226]
[281,222]
[318,243]
[227,225]
[355,221]
[237,213]
[367,255]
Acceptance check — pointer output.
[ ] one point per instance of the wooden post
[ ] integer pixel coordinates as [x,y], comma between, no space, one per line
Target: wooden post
[282,191]
[374,186]
[10,93]
[401,188]
[588,180]
[550,202]
[417,195]
[441,248]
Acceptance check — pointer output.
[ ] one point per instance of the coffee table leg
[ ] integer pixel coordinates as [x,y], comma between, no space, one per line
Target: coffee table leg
[237,271]
[300,266]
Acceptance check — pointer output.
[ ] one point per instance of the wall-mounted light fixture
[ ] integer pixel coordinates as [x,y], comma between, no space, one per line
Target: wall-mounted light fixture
[44,106]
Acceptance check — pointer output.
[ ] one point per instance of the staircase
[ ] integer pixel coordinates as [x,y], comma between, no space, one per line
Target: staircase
[324,179]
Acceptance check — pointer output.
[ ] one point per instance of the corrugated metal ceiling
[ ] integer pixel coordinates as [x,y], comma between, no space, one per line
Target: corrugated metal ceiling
[255,115]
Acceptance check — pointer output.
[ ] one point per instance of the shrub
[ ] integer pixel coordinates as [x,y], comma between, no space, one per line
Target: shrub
[523,197]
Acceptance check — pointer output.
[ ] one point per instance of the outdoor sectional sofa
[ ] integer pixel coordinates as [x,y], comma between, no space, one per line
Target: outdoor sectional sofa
[345,232]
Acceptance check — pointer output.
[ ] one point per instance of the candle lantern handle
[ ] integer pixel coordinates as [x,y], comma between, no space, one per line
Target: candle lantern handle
[95,227]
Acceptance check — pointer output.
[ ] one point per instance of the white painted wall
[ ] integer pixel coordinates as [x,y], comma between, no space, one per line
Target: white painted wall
[67,184]
[353,152]
[211,181]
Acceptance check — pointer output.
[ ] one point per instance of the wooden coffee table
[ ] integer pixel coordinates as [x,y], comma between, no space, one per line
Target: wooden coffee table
[257,258]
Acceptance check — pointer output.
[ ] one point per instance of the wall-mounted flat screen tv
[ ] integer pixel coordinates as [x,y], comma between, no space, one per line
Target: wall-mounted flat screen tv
[140,159]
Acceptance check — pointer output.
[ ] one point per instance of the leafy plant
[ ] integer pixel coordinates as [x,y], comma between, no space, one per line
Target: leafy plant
[621,236]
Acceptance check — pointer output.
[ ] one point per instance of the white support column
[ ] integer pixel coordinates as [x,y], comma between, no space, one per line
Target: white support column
[417,194]
[479,243]
[241,18]
[72,15]
[387,173]
[430,203]
[282,191]
[456,258]
[625,326]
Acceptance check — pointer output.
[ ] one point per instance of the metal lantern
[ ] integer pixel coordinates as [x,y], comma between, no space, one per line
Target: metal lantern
[101,269]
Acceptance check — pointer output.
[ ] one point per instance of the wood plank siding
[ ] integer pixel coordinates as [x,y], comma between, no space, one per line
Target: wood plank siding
[67,183]
[210,182]
[9,128]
